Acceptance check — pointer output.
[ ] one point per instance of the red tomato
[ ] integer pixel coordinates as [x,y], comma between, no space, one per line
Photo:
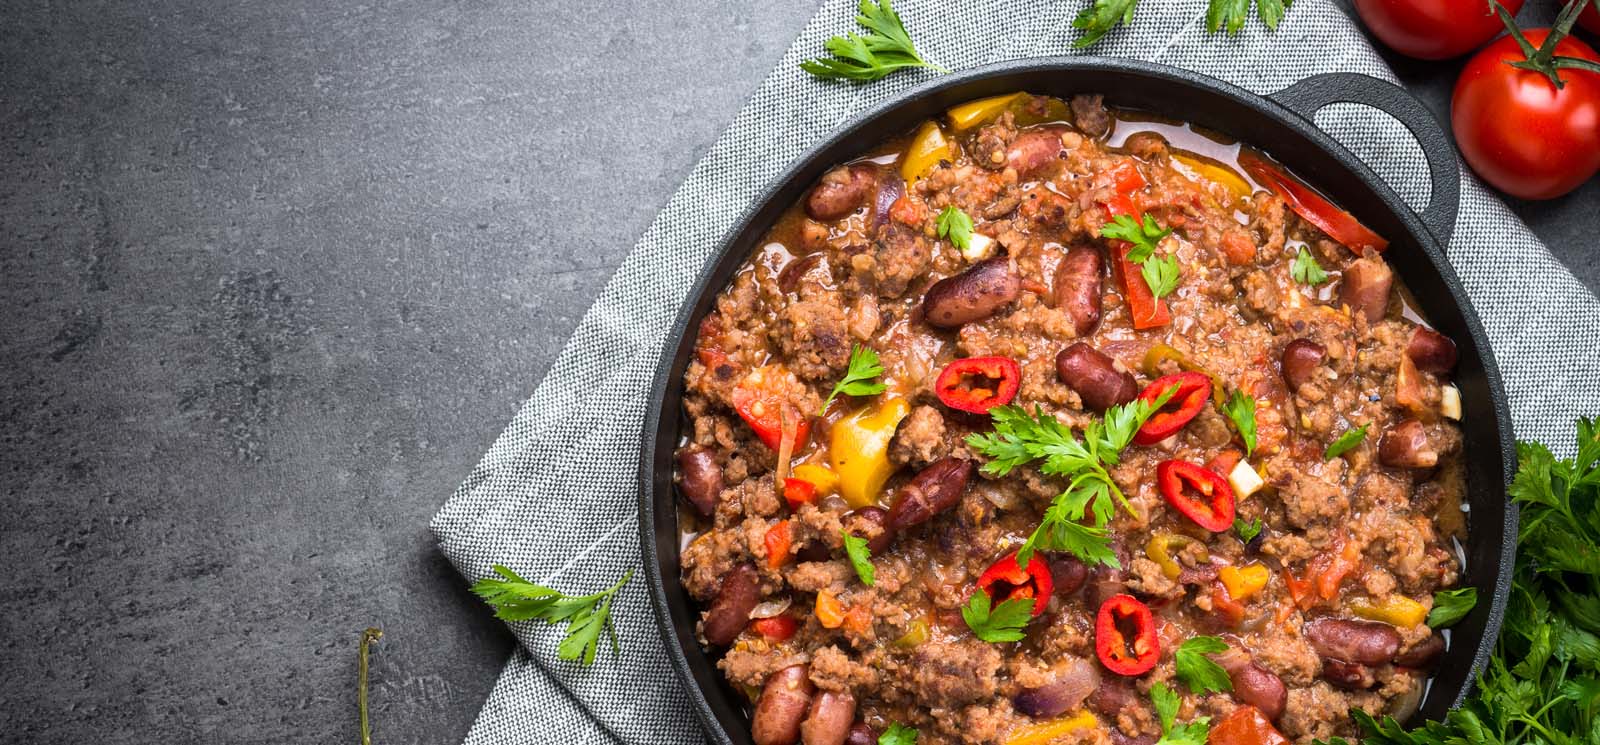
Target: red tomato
[1590,18]
[1519,132]
[1433,29]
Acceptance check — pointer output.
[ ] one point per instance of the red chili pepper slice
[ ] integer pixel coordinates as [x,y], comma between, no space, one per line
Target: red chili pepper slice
[798,491]
[1179,480]
[759,405]
[978,384]
[1193,388]
[1006,580]
[1306,202]
[776,628]
[779,539]
[1144,308]
[1125,636]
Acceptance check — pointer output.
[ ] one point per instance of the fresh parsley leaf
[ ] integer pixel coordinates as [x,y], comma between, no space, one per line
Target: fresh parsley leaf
[860,558]
[1247,531]
[956,226]
[1100,17]
[1199,672]
[1450,606]
[860,377]
[1305,269]
[1161,273]
[1167,703]
[1002,623]
[1143,237]
[885,48]
[1232,14]
[898,734]
[1351,438]
[1241,409]
[517,599]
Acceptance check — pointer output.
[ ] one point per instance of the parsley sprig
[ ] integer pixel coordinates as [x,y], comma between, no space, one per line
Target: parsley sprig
[1247,531]
[1159,272]
[886,47]
[1000,623]
[1543,683]
[517,599]
[1172,733]
[1197,671]
[1305,269]
[1020,438]
[860,377]
[898,734]
[1346,442]
[1241,410]
[860,557]
[956,226]
[1450,606]
[1104,15]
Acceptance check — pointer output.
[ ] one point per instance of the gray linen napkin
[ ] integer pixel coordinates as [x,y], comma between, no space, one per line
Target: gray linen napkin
[554,498]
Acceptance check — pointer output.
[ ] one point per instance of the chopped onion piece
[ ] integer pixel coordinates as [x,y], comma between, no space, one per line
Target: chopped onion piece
[770,608]
[1244,480]
[979,248]
[1450,402]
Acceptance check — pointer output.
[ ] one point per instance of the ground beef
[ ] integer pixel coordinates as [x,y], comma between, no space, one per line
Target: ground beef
[920,440]
[954,673]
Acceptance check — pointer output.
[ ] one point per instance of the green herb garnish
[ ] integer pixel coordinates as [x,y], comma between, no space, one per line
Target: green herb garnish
[1199,672]
[1002,623]
[1450,606]
[1172,733]
[1143,237]
[1305,269]
[898,734]
[860,377]
[517,599]
[1241,410]
[860,558]
[885,48]
[1161,273]
[1247,531]
[1351,438]
[956,226]
[1103,15]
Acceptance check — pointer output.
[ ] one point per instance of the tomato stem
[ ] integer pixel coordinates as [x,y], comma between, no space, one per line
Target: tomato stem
[1544,60]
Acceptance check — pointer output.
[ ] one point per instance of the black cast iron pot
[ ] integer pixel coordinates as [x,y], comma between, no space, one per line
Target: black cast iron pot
[1279,124]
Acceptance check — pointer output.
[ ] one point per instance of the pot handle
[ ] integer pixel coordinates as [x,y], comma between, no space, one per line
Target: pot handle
[1308,96]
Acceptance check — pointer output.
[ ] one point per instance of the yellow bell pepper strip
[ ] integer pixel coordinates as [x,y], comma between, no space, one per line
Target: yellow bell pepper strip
[830,612]
[1206,169]
[1163,549]
[927,148]
[1396,610]
[1244,582]
[984,110]
[859,451]
[826,481]
[1047,732]
[916,634]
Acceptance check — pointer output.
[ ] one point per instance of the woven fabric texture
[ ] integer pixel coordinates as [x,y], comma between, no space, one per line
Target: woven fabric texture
[554,498]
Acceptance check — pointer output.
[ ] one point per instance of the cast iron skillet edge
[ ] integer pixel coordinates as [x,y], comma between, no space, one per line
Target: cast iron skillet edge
[1281,131]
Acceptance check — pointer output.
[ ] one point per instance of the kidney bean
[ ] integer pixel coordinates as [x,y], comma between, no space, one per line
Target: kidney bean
[933,490]
[1066,573]
[1095,377]
[699,478]
[1365,287]
[861,734]
[1299,361]
[890,189]
[1034,150]
[783,704]
[840,191]
[1079,287]
[730,610]
[1258,687]
[828,722]
[1351,676]
[1103,583]
[973,295]
[1366,642]
[1424,654]
[1431,351]
[790,277]
[1407,446]
[880,517]
[1114,695]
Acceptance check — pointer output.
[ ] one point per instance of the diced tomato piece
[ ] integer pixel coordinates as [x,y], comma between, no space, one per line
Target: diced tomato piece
[779,539]
[777,628]
[763,407]
[1245,726]
[798,492]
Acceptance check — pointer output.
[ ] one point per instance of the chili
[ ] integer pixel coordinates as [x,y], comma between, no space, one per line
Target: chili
[1189,397]
[1180,480]
[978,384]
[1307,203]
[1144,308]
[776,628]
[779,539]
[1119,653]
[1245,726]
[798,492]
[1006,580]
[763,408]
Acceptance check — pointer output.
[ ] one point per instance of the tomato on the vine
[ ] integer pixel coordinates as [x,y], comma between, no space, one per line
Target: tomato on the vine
[1590,18]
[1517,129]
[1432,29]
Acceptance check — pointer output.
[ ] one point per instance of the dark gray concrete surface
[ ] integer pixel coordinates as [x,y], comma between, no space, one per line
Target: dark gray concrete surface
[274,274]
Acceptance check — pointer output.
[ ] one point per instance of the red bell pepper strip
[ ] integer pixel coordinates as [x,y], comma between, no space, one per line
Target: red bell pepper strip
[1006,580]
[1229,610]
[1192,390]
[978,384]
[1180,481]
[1119,653]
[779,539]
[776,628]
[759,405]
[798,492]
[1245,726]
[1306,202]
[1146,310]
[1224,461]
